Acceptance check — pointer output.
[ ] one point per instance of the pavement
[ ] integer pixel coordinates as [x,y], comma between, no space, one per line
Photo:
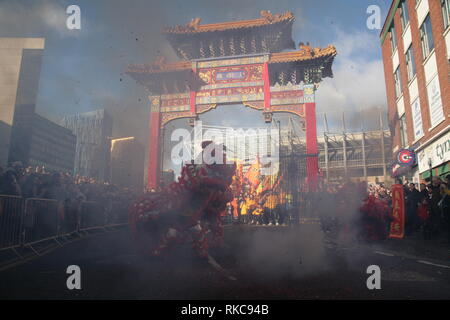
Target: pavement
[255,263]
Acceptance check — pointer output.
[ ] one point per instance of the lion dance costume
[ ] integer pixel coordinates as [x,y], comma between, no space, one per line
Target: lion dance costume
[376,217]
[189,210]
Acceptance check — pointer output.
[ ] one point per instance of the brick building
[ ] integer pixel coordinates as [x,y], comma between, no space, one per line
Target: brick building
[415,42]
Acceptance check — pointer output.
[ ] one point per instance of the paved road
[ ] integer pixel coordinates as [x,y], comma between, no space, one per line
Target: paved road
[267,262]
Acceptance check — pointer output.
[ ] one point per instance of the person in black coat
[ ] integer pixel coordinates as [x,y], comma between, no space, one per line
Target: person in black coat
[412,200]
[435,211]
[9,184]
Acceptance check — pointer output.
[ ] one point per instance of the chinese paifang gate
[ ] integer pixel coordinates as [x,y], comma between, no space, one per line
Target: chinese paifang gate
[241,62]
[231,63]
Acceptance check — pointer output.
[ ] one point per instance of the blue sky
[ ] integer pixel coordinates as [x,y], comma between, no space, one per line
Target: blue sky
[82,69]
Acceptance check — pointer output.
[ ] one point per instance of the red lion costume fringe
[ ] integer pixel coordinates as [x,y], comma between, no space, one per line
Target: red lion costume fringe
[376,218]
[189,210]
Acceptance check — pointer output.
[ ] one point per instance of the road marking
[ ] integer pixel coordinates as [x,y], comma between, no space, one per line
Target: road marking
[384,253]
[433,264]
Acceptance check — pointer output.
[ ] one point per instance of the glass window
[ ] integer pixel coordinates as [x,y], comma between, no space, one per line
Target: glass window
[426,37]
[398,84]
[445,4]
[393,39]
[403,132]
[410,64]
[404,14]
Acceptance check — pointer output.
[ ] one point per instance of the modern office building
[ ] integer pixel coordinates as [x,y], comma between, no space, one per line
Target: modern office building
[127,163]
[37,141]
[415,42]
[93,131]
[20,65]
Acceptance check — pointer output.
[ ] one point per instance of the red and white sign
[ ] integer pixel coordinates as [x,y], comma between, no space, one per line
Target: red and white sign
[405,157]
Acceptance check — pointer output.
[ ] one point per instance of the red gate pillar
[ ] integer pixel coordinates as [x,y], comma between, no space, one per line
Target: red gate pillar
[312,160]
[266,79]
[154,143]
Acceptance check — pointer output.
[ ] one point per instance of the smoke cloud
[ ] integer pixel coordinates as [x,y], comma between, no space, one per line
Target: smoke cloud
[357,89]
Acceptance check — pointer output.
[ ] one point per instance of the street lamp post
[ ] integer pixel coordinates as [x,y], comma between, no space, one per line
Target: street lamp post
[430,165]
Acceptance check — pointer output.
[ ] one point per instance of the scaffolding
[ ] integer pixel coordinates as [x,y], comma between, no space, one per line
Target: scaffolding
[364,155]
[361,155]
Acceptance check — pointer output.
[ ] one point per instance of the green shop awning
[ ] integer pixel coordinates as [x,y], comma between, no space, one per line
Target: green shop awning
[441,170]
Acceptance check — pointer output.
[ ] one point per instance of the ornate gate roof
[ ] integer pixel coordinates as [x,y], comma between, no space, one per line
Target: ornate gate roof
[269,33]
[268,36]
[316,60]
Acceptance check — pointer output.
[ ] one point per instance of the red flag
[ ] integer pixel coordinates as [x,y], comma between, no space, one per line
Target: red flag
[397,229]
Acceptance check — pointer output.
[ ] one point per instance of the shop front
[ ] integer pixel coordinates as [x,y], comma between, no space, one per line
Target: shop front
[434,158]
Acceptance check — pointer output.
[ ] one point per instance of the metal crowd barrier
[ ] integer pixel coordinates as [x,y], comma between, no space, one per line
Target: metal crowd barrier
[93,215]
[71,221]
[25,222]
[11,221]
[42,220]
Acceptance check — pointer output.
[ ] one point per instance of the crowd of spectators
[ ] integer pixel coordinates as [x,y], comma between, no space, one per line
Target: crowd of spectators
[77,202]
[427,207]
[380,191]
[354,210]
[44,184]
